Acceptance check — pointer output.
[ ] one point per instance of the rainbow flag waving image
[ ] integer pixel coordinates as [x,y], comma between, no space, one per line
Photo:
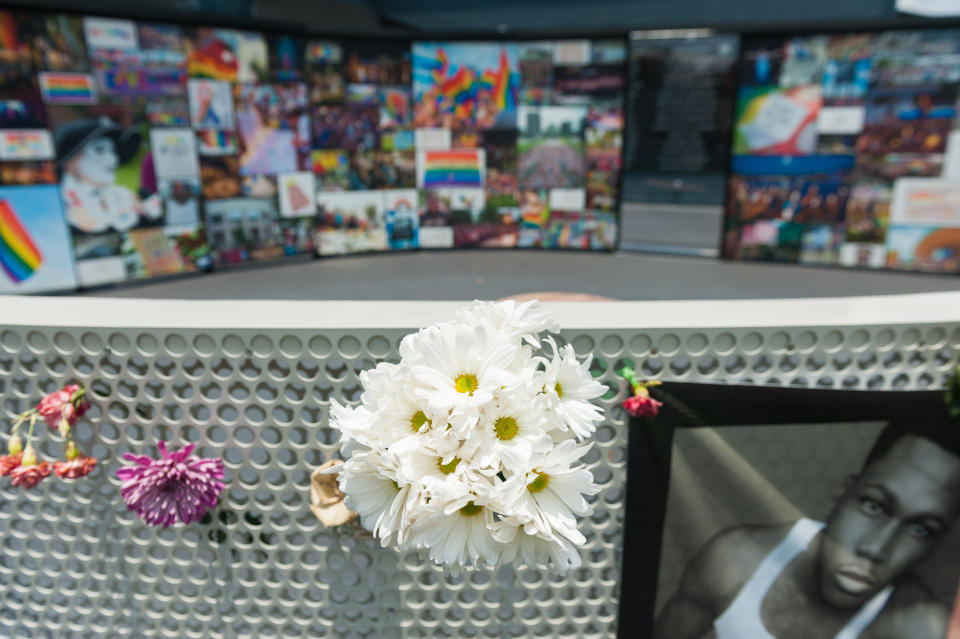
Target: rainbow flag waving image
[19,255]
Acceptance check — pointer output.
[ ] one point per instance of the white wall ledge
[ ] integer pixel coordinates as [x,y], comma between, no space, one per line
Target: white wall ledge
[918,309]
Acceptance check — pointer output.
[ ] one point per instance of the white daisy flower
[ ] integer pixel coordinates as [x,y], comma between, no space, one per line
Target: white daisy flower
[455,526]
[458,369]
[370,482]
[549,495]
[568,388]
[525,320]
[512,432]
[356,425]
[534,550]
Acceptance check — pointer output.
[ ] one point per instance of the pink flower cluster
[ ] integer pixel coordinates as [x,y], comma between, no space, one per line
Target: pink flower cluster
[59,409]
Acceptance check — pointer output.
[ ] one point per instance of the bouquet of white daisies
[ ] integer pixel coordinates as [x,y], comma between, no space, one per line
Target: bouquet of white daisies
[470,447]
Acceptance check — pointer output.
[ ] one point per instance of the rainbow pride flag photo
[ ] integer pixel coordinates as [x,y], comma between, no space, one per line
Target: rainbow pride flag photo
[19,255]
[459,168]
[35,253]
[68,88]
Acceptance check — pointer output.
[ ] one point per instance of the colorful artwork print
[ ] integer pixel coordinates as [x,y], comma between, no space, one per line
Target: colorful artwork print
[155,68]
[551,149]
[774,121]
[581,230]
[395,111]
[534,213]
[462,85]
[252,57]
[212,54]
[26,144]
[108,33]
[211,104]
[57,42]
[535,63]
[174,153]
[168,112]
[402,218]
[462,168]
[926,201]
[211,142]
[108,182]
[332,170]
[68,88]
[273,127]
[923,248]
[353,127]
[35,250]
[297,194]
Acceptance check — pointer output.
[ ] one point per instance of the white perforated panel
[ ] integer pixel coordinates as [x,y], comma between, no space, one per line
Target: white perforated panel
[74,562]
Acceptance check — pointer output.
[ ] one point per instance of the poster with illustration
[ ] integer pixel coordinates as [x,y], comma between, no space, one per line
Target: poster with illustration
[534,214]
[402,218]
[908,120]
[376,169]
[150,64]
[923,248]
[332,169]
[26,144]
[297,193]
[351,222]
[253,59]
[753,507]
[57,42]
[212,54]
[35,248]
[395,109]
[108,183]
[174,153]
[775,121]
[220,176]
[273,127]
[465,85]
[551,146]
[211,105]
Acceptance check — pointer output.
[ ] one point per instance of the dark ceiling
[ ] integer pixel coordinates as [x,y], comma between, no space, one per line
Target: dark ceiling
[506,16]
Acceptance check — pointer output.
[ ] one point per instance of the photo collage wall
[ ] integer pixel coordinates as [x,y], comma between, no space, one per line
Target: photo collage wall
[847,151]
[134,149]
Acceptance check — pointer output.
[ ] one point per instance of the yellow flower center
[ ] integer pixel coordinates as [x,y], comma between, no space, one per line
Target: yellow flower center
[539,483]
[506,428]
[419,419]
[471,509]
[466,383]
[557,387]
[448,468]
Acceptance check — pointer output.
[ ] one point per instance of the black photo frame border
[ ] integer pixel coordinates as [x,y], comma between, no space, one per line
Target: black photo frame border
[688,405]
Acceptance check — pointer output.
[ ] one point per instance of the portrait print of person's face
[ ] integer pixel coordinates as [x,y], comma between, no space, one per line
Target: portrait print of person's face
[97,163]
[888,519]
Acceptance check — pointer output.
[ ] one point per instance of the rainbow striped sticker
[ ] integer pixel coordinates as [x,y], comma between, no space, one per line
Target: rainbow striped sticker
[68,88]
[463,167]
[19,256]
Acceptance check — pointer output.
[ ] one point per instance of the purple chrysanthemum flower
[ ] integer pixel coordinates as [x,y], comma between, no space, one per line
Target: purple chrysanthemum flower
[178,487]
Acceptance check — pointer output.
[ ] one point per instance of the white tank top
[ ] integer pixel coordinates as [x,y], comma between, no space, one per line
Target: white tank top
[742,619]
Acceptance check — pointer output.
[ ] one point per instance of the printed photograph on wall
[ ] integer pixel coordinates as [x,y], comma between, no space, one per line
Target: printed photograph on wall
[402,218]
[351,222]
[465,85]
[377,62]
[212,54]
[775,121]
[17,79]
[766,509]
[36,253]
[551,146]
[57,41]
[243,229]
[323,71]
[352,127]
[286,57]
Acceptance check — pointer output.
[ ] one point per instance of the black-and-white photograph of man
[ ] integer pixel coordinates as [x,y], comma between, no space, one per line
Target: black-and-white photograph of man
[816,531]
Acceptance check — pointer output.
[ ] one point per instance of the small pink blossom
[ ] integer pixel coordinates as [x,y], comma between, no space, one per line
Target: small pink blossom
[642,405]
[61,409]
[8,463]
[30,476]
[75,468]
